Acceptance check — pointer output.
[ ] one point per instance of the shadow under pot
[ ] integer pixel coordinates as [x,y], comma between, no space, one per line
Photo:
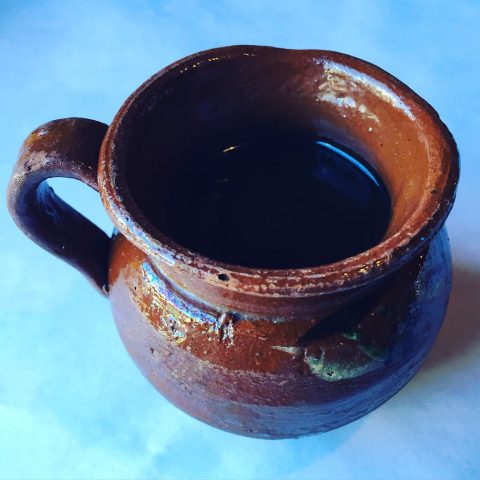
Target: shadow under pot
[278,266]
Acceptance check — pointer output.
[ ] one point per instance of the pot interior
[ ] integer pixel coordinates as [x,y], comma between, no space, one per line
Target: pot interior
[202,109]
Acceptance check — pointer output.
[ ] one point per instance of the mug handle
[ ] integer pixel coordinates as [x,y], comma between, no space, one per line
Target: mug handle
[68,148]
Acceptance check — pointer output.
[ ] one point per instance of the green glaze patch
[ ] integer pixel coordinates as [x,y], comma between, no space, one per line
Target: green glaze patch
[375,352]
[334,371]
[351,335]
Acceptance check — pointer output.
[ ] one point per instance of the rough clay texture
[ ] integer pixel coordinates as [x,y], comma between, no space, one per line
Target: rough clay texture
[270,377]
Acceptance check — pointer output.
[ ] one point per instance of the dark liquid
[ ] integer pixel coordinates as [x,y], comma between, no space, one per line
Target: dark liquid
[278,203]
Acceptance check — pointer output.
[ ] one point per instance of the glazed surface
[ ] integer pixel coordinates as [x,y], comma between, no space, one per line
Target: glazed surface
[270,376]
[262,352]
[235,94]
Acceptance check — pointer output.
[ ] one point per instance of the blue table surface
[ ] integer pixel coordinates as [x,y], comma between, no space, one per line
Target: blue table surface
[72,403]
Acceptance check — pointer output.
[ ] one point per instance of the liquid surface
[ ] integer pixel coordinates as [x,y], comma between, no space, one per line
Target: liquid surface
[278,203]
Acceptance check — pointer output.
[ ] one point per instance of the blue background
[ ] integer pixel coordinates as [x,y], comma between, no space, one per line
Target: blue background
[72,404]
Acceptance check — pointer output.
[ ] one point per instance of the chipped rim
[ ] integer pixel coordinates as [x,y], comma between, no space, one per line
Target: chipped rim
[385,257]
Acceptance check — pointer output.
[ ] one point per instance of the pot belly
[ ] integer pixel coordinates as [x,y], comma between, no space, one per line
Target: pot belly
[273,378]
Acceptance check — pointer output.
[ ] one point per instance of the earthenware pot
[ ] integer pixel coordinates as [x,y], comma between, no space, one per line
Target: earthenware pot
[263,353]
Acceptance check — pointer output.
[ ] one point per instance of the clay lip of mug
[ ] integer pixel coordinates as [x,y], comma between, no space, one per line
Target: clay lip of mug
[349,77]
[433,199]
[258,352]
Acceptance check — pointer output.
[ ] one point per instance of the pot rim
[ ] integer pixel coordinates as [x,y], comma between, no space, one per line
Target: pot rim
[385,257]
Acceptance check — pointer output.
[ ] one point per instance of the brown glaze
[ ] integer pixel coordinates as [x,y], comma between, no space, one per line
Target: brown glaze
[270,377]
[61,148]
[267,353]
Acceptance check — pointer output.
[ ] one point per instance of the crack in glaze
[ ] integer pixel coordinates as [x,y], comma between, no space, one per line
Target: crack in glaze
[295,351]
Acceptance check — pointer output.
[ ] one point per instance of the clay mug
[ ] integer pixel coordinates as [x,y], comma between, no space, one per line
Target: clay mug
[259,352]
